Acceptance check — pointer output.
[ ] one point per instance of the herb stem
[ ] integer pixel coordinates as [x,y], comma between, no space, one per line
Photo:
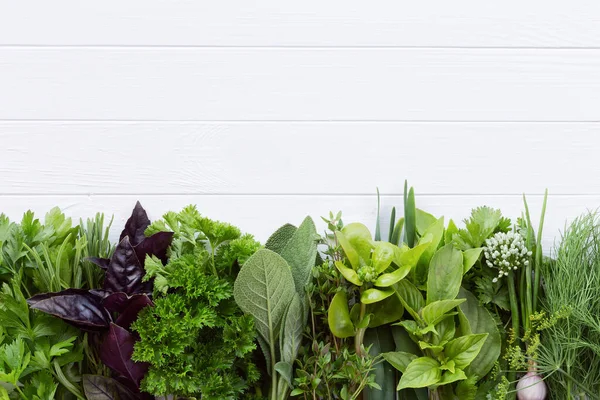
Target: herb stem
[538,253]
[360,333]
[273,372]
[514,309]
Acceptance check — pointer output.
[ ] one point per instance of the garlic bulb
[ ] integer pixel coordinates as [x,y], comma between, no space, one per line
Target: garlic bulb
[531,387]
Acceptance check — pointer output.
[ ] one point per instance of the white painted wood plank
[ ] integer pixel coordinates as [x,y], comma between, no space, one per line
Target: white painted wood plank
[299,84]
[462,23]
[261,215]
[298,158]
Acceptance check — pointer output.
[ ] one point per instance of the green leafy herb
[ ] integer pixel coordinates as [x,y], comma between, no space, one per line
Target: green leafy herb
[196,339]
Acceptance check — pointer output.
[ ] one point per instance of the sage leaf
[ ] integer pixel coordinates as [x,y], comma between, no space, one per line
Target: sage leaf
[295,320]
[284,369]
[445,274]
[280,238]
[300,253]
[421,372]
[264,288]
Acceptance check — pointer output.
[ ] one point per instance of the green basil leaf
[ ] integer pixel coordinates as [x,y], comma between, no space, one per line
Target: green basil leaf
[450,377]
[373,295]
[411,297]
[435,312]
[436,349]
[450,231]
[437,232]
[410,257]
[421,372]
[480,321]
[464,349]
[445,274]
[386,311]
[338,316]
[423,221]
[446,331]
[399,359]
[411,326]
[470,257]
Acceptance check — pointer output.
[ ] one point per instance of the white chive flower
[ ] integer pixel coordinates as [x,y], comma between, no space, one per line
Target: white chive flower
[506,252]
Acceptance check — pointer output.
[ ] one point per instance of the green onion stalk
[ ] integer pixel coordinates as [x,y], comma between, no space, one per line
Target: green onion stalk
[511,254]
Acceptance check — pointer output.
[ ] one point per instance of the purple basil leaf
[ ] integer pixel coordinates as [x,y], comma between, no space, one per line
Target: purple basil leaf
[156,245]
[116,353]
[97,387]
[124,272]
[101,294]
[136,225]
[134,305]
[101,262]
[116,302]
[75,306]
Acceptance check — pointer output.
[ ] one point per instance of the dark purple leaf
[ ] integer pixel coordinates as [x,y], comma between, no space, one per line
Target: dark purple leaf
[116,353]
[75,306]
[116,302]
[101,294]
[124,272]
[156,245]
[101,262]
[136,225]
[97,387]
[132,308]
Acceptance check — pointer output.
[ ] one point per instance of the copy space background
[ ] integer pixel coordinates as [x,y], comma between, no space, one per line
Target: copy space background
[263,112]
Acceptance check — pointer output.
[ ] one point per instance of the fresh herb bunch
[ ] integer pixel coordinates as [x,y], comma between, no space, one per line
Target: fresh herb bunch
[196,339]
[569,350]
[42,358]
[328,367]
[106,313]
[271,287]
